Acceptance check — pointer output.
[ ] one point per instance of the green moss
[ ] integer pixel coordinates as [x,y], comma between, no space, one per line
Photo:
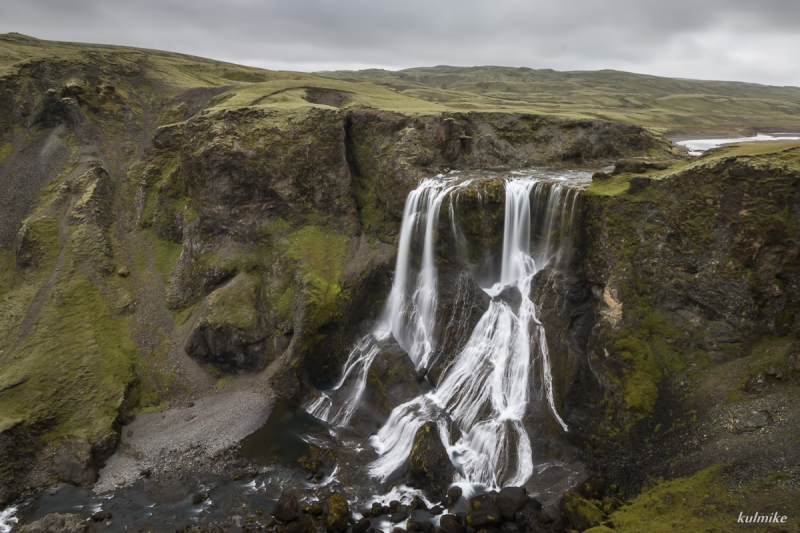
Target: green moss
[285,301]
[181,316]
[768,354]
[582,513]
[234,304]
[320,258]
[337,512]
[695,503]
[5,151]
[41,244]
[165,253]
[222,382]
[96,362]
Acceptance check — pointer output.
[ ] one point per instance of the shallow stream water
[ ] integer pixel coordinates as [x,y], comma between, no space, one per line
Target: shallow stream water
[699,146]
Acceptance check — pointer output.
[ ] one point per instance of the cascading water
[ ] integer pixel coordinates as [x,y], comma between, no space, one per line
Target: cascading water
[484,393]
[410,311]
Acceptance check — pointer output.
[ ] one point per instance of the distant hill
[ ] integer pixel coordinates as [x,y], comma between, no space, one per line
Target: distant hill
[671,105]
[677,107]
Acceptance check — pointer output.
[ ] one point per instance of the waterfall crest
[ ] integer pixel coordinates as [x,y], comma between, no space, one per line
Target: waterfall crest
[484,393]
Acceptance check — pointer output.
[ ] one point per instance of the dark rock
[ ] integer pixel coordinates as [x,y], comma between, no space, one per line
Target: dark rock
[581,512]
[303,525]
[59,523]
[593,487]
[601,176]
[454,492]
[337,513]
[483,512]
[560,524]
[543,518]
[751,421]
[398,517]
[377,509]
[224,338]
[639,183]
[510,527]
[199,497]
[74,462]
[449,524]
[510,500]
[287,508]
[436,510]
[417,503]
[462,303]
[362,525]
[100,516]
[413,525]
[428,527]
[429,466]
[511,295]
[394,505]
[315,509]
[146,472]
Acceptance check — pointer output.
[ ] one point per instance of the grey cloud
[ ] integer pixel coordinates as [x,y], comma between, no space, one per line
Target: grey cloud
[689,38]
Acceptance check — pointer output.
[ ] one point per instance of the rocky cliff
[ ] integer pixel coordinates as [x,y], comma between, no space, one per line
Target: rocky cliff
[675,334]
[171,230]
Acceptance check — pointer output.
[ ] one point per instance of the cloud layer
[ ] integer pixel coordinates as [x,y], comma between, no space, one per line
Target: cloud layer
[707,39]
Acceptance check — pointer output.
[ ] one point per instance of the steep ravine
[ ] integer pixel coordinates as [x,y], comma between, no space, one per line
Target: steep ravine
[273,231]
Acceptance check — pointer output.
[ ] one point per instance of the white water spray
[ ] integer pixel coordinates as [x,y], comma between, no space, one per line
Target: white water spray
[484,393]
[411,309]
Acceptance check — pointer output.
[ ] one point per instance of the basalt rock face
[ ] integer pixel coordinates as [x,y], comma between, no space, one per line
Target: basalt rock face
[688,315]
[567,304]
[389,152]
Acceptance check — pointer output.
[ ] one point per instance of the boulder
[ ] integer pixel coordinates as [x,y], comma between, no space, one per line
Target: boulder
[581,512]
[482,512]
[59,523]
[362,525]
[601,176]
[510,500]
[639,183]
[449,524]
[303,525]
[429,466]
[287,508]
[337,513]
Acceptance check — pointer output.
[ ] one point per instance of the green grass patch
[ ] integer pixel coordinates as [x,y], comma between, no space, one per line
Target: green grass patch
[165,253]
[234,304]
[96,361]
[707,501]
[5,151]
[320,257]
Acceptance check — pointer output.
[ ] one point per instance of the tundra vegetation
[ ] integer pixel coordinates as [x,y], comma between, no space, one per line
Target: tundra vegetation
[171,225]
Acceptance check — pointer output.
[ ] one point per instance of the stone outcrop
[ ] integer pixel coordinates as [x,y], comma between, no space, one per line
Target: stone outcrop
[429,466]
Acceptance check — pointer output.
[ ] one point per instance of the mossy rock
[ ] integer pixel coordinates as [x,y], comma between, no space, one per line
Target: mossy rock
[337,513]
[583,513]
[428,464]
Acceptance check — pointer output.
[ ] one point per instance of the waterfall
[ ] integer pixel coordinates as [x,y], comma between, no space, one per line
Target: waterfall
[410,312]
[484,393]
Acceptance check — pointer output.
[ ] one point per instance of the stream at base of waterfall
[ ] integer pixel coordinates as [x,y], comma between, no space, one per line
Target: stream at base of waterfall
[502,370]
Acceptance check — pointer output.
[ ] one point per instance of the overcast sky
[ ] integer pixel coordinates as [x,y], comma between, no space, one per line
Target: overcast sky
[753,40]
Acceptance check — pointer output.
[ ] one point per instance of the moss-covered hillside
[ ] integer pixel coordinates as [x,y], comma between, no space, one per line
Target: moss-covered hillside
[672,106]
[174,225]
[694,359]
[171,226]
